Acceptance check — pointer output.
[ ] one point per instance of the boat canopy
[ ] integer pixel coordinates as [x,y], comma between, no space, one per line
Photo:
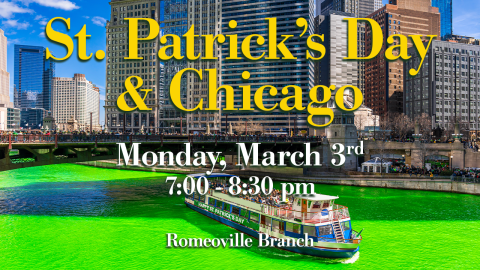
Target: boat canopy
[213,175]
[315,197]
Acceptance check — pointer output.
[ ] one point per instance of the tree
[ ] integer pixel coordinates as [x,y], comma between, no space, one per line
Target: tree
[401,125]
[425,122]
[360,122]
[385,125]
[450,127]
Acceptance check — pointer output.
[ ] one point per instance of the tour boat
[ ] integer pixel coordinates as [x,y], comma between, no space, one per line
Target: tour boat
[328,224]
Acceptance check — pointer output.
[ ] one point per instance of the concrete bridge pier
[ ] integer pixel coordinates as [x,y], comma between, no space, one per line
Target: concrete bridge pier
[4,156]
[458,160]
[408,157]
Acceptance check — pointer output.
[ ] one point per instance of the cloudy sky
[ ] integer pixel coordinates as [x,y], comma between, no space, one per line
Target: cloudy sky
[24,21]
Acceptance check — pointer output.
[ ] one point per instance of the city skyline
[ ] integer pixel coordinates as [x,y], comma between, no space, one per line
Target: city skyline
[24,24]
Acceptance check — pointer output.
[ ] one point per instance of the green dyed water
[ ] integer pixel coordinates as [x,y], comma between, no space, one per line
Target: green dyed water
[77,217]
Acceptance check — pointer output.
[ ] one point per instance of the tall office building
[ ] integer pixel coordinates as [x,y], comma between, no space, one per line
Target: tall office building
[318,7]
[333,69]
[356,8]
[32,118]
[360,8]
[76,98]
[174,21]
[33,78]
[13,118]
[118,70]
[447,87]
[446,21]
[205,15]
[251,20]
[384,79]
[377,4]
[4,82]
[4,75]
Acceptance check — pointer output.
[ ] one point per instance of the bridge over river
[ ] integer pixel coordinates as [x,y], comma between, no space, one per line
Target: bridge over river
[36,150]
[19,151]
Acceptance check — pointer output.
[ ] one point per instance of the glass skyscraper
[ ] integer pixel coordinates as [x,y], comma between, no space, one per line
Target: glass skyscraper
[250,17]
[445,9]
[173,20]
[33,78]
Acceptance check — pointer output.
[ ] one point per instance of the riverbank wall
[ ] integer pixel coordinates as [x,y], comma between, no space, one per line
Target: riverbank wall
[285,174]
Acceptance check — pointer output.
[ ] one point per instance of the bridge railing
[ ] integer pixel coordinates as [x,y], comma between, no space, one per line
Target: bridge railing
[27,138]
[78,138]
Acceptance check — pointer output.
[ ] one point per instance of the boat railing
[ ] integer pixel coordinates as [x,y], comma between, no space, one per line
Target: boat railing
[338,212]
[354,240]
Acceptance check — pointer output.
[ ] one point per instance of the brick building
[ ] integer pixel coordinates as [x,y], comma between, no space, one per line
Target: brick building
[384,79]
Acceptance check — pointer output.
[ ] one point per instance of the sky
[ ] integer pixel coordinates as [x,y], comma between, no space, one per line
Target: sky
[24,23]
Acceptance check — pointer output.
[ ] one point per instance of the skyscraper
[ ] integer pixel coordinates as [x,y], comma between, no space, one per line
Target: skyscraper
[119,70]
[332,69]
[33,78]
[447,88]
[205,16]
[377,4]
[76,97]
[318,7]
[251,20]
[359,9]
[4,82]
[384,79]
[445,9]
[4,75]
[174,21]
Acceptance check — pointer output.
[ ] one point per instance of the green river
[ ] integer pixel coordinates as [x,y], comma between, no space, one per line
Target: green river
[77,217]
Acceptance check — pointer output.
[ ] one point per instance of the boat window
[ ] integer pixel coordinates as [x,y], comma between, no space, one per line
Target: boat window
[310,230]
[325,230]
[275,225]
[317,204]
[202,198]
[254,216]
[293,227]
[244,213]
[346,225]
[211,201]
[263,220]
[298,202]
[268,222]
[235,210]
[226,207]
[326,204]
[219,204]
[309,204]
